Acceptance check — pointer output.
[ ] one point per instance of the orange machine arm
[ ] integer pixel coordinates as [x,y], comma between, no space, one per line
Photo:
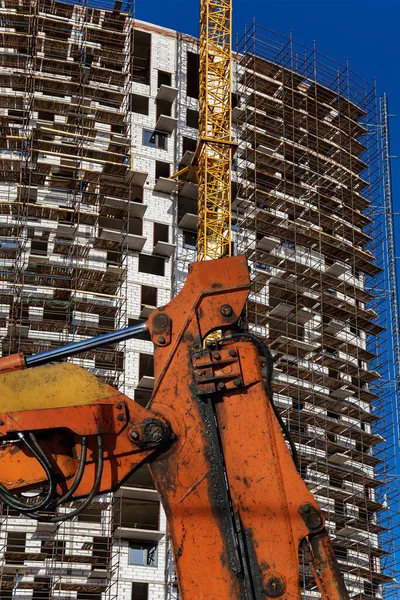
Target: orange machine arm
[236,506]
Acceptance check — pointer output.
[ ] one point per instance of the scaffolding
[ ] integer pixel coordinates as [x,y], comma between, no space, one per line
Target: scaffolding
[309,218]
[71,208]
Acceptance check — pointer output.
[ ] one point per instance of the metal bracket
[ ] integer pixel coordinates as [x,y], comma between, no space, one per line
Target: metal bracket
[161,329]
[217,370]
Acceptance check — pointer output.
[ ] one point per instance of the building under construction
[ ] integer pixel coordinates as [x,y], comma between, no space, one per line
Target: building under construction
[97,111]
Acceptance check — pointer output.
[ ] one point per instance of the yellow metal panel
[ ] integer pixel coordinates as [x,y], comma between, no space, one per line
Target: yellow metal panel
[50,386]
[215,130]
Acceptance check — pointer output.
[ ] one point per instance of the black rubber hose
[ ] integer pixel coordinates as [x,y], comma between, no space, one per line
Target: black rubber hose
[79,475]
[89,499]
[269,363]
[11,500]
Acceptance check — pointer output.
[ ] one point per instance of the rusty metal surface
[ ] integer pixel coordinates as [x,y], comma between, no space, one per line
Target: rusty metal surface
[325,567]
[62,403]
[15,362]
[233,498]
[237,509]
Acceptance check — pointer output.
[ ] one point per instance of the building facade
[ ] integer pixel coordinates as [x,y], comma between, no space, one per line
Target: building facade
[97,111]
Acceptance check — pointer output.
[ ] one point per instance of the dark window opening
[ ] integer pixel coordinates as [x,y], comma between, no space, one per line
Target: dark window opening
[45,116]
[15,113]
[42,588]
[143,398]
[7,593]
[154,265]
[192,118]
[53,548]
[330,350]
[107,323]
[192,74]
[136,194]
[56,313]
[332,415]
[132,322]
[341,553]
[333,373]
[164,78]
[16,541]
[163,108]
[189,240]
[149,295]
[140,591]
[56,94]
[139,514]
[135,226]
[100,551]
[115,128]
[162,169]
[188,145]
[298,404]
[303,471]
[90,515]
[146,365]
[113,258]
[143,554]
[161,233]
[38,247]
[235,100]
[141,478]
[368,588]
[186,205]
[155,139]
[141,57]
[139,104]
[339,508]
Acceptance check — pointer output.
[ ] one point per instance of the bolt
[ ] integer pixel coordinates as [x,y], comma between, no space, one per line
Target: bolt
[1,423]
[275,587]
[238,382]
[221,385]
[134,435]
[311,516]
[232,352]
[155,432]
[121,418]
[161,339]
[160,321]
[216,355]
[226,310]
[314,521]
[119,406]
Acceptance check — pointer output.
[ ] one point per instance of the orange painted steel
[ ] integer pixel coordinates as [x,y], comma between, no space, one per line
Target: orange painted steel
[236,507]
[15,362]
[94,408]
[242,542]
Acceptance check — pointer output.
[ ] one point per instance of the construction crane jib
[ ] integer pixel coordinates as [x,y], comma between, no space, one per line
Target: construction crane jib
[216,147]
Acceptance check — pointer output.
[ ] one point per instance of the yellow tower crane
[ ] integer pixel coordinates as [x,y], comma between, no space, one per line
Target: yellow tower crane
[214,155]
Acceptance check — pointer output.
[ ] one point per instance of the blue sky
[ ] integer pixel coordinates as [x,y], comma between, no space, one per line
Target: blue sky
[365,31]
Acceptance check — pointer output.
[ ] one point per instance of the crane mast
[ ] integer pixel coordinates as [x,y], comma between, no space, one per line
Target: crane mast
[215,130]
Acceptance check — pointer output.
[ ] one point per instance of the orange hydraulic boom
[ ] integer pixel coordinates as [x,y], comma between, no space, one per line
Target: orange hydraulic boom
[236,506]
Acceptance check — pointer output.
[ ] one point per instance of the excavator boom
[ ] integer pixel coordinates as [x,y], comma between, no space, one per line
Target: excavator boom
[237,509]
